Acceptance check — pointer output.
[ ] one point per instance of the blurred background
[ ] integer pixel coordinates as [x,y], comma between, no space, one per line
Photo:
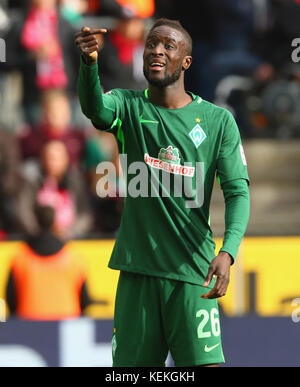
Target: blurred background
[245,59]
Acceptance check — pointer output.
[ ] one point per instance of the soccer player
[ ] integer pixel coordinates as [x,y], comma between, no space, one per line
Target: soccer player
[170,278]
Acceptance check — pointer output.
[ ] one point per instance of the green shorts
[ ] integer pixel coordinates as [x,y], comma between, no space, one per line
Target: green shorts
[154,315]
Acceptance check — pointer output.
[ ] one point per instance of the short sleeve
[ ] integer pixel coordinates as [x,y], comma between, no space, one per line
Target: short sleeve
[231,161]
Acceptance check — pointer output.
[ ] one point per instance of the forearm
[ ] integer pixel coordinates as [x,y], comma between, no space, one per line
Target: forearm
[237,209]
[91,97]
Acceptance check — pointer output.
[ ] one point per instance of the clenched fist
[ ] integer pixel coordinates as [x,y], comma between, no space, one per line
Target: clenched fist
[90,41]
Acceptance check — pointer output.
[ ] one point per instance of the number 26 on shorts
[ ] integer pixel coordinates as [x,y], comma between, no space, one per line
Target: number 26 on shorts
[213,318]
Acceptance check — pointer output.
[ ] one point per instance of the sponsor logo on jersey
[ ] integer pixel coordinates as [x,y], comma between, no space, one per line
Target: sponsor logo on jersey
[197,135]
[169,155]
[168,160]
[141,181]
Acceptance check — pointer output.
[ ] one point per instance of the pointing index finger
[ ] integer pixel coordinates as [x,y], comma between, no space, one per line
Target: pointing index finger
[85,31]
[95,31]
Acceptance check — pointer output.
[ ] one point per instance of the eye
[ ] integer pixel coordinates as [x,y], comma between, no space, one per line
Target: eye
[150,45]
[169,46]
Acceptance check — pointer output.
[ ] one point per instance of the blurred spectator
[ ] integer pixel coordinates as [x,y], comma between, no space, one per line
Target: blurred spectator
[73,10]
[105,8]
[11,184]
[94,5]
[41,47]
[122,55]
[253,40]
[55,124]
[108,210]
[40,37]
[232,47]
[139,8]
[46,281]
[85,150]
[55,183]
[277,79]
[274,45]
[84,147]
[121,8]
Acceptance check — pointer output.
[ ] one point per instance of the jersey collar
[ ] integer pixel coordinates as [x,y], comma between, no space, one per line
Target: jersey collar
[195,97]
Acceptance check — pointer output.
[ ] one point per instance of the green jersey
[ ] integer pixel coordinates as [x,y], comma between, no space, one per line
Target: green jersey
[165,229]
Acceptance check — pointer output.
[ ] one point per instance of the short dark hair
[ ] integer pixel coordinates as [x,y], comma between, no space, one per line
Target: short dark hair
[177,26]
[45,216]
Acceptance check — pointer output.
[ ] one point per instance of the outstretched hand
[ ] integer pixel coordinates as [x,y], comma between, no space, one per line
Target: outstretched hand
[219,267]
[89,42]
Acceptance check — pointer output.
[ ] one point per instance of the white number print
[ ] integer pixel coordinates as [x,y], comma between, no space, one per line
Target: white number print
[214,323]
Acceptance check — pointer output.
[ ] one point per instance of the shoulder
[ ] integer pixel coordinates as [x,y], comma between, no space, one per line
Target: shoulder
[22,253]
[220,118]
[216,111]
[126,94]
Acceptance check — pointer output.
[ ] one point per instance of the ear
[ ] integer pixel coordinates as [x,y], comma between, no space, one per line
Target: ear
[187,61]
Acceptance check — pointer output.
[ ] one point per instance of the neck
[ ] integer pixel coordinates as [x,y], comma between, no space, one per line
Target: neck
[170,97]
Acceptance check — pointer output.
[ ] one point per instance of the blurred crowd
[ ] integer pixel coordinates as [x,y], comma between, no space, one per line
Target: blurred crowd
[49,152]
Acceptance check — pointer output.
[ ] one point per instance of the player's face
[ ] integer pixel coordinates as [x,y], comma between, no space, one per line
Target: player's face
[164,56]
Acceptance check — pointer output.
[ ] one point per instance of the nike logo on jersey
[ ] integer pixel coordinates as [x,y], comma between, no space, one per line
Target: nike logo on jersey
[208,349]
[147,121]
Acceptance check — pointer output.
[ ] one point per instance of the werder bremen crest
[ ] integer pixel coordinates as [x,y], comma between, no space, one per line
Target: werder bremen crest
[197,135]
[169,155]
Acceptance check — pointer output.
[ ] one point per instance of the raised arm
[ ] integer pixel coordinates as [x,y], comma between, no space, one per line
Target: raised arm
[99,108]
[89,42]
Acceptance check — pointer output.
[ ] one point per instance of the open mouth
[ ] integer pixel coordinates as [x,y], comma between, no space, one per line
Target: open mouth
[156,66]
